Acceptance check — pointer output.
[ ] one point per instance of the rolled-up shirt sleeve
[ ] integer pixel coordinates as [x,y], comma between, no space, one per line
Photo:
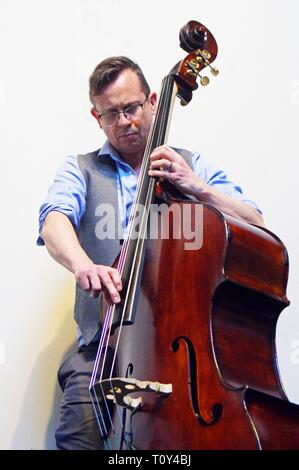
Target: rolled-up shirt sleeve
[218,179]
[67,195]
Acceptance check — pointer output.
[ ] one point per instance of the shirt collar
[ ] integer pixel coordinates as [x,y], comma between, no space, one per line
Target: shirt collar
[108,149]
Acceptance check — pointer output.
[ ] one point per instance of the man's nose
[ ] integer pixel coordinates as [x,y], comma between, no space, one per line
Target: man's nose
[122,120]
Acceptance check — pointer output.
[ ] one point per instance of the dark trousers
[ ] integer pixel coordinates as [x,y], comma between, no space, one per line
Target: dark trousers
[78,427]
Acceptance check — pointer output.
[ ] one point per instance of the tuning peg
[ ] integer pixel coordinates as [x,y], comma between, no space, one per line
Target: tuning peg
[214,71]
[204,81]
[204,56]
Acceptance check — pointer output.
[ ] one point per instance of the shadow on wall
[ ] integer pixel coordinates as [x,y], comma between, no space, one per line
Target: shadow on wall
[41,399]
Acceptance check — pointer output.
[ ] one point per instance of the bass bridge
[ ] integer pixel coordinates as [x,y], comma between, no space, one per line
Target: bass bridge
[118,390]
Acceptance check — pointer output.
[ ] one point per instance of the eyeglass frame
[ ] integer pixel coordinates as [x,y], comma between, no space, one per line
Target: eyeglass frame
[123,111]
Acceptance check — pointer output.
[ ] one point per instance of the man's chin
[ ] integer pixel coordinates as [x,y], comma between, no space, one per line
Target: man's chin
[133,144]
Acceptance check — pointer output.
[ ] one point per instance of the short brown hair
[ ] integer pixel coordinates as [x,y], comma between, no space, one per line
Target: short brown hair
[107,71]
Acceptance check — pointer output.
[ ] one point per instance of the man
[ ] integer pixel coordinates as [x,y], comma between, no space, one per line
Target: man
[124,107]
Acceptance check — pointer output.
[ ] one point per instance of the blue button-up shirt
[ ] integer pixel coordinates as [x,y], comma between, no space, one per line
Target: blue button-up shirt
[68,191]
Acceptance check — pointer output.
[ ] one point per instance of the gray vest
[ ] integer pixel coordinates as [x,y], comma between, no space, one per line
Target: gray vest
[100,174]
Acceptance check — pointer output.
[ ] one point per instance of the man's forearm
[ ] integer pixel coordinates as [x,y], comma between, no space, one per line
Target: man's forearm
[230,205]
[63,245]
[62,242]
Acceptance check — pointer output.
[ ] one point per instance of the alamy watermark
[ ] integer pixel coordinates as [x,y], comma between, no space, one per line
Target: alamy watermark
[158,221]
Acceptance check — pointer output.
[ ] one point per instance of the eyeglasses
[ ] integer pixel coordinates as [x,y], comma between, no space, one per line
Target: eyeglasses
[111,118]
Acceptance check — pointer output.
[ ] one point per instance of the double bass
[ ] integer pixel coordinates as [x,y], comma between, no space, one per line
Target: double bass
[194,359]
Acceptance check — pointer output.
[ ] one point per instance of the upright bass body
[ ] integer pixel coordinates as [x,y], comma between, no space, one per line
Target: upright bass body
[205,323]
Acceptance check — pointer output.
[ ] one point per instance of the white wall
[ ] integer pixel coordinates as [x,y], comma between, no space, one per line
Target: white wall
[245,120]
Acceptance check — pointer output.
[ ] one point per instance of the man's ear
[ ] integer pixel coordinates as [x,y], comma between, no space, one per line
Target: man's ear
[153,101]
[95,114]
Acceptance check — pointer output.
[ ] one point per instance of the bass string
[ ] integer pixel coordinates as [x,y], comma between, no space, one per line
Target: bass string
[144,180]
[95,401]
[107,322]
[126,245]
[124,252]
[120,267]
[149,183]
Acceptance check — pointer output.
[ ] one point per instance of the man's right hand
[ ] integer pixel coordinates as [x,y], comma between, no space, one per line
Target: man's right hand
[63,245]
[95,278]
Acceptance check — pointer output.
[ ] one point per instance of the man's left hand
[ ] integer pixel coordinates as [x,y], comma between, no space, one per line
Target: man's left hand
[166,163]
